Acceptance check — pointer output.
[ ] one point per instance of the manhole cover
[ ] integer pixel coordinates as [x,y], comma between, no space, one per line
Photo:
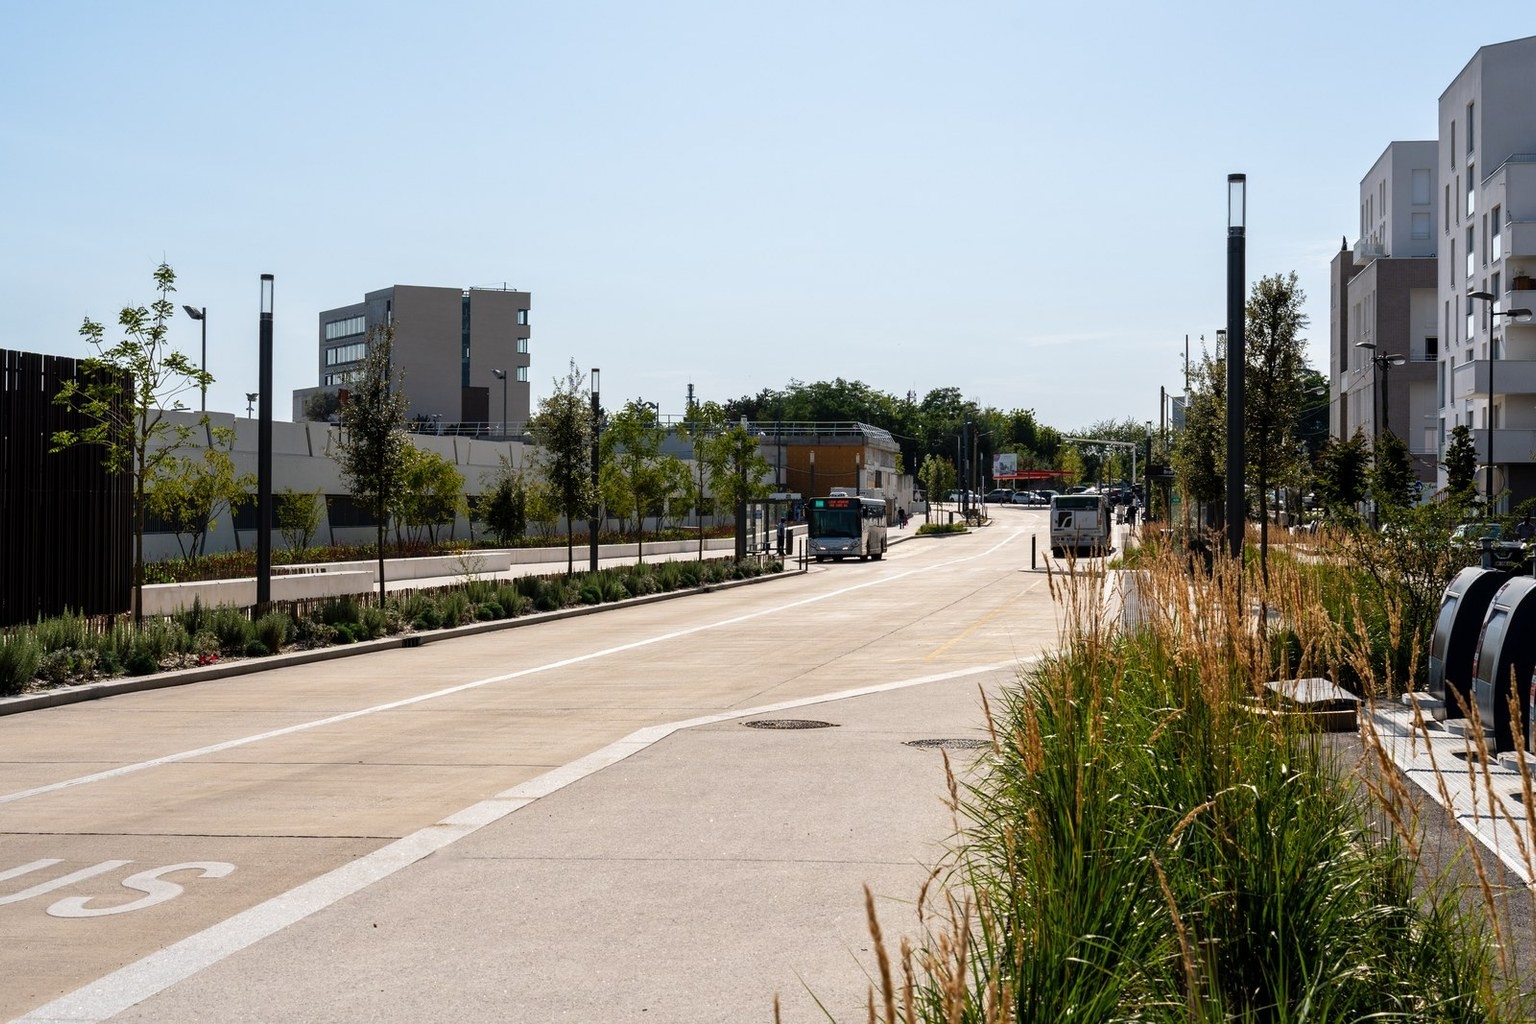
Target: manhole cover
[788,723]
[949,744]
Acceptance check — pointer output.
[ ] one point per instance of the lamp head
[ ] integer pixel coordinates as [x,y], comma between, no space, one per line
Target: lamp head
[1485,296]
[193,312]
[1365,344]
[500,374]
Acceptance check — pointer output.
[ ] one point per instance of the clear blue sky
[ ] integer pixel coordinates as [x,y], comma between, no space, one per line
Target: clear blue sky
[1025,201]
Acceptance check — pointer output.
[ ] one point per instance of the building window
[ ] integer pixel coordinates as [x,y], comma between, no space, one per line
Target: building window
[1421,195]
[522,346]
[1471,251]
[345,328]
[1498,298]
[1471,130]
[1446,208]
[522,317]
[1471,191]
[522,375]
[1497,246]
[1421,226]
[1432,350]
[1453,144]
[346,353]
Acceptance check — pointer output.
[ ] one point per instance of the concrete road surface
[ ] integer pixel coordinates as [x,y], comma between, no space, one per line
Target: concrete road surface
[567,821]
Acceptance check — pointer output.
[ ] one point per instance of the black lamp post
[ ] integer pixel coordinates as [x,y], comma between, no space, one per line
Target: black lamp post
[813,480]
[1379,384]
[501,375]
[264,454]
[1237,215]
[201,314]
[597,431]
[1489,299]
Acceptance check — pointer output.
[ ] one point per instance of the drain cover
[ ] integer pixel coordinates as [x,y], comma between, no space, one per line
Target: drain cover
[949,744]
[788,723]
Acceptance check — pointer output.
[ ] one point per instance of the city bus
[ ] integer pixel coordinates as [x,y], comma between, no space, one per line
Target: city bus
[844,526]
[1079,521]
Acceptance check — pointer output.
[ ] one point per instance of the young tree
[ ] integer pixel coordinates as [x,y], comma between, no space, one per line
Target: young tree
[1200,453]
[126,390]
[562,430]
[937,477]
[1392,477]
[1460,461]
[374,450]
[631,448]
[322,406]
[702,424]
[434,493]
[503,504]
[736,473]
[188,493]
[1343,476]
[298,517]
[1273,387]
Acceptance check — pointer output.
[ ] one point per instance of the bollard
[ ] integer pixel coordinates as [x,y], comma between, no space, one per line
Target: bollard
[1032,551]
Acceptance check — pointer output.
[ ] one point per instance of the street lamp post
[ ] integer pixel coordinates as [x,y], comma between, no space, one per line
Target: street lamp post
[264,453]
[501,375]
[813,478]
[250,402]
[1489,300]
[597,430]
[858,474]
[1380,385]
[201,314]
[1237,214]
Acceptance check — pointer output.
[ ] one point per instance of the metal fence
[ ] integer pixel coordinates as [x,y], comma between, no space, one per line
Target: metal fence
[65,537]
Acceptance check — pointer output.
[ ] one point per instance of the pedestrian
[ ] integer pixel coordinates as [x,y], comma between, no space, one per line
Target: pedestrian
[1526,528]
[781,536]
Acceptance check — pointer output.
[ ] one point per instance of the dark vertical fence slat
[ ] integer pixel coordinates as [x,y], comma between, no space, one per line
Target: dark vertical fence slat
[64,520]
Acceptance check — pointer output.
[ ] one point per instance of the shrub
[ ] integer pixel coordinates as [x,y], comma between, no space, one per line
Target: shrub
[256,649]
[272,631]
[311,632]
[591,591]
[233,629]
[61,633]
[205,646]
[342,633]
[374,624]
[456,608]
[340,610]
[19,657]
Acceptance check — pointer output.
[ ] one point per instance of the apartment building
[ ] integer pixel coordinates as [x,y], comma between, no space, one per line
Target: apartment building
[462,354]
[1384,339]
[1487,261]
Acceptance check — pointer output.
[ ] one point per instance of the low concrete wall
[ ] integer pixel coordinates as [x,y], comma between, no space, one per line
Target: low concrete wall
[469,563]
[166,598]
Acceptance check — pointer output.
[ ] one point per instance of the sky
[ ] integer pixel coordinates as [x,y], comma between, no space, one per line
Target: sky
[1024,201]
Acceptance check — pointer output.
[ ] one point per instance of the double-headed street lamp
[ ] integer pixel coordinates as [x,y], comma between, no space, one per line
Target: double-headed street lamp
[1380,382]
[597,433]
[1521,313]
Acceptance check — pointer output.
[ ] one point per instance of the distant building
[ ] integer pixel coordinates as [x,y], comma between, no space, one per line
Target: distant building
[1383,334]
[452,348]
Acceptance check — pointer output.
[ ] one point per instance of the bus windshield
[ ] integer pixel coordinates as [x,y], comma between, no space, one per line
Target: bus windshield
[835,522]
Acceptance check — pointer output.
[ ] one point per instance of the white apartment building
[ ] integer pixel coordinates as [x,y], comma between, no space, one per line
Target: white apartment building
[1486,245]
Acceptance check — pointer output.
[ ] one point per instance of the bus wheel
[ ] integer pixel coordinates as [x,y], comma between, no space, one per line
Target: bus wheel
[878,555]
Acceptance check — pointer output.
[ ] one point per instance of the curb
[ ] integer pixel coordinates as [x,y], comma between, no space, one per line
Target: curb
[244,667]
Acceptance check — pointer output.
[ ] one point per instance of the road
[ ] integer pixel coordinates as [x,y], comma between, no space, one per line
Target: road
[222,846]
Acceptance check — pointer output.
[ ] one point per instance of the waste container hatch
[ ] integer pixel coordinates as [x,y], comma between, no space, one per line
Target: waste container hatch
[1506,650]
[1454,643]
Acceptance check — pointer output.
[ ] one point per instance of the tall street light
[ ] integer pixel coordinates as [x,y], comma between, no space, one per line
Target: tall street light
[501,375]
[597,430]
[264,455]
[201,313]
[1489,300]
[813,481]
[1380,384]
[1237,216]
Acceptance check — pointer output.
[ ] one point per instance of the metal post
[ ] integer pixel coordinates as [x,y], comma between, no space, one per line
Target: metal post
[1237,203]
[597,430]
[264,453]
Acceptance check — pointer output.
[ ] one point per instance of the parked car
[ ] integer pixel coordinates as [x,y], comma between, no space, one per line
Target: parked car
[1509,552]
[999,496]
[1024,497]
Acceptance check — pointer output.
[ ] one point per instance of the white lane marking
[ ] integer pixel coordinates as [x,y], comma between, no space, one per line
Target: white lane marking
[157,972]
[216,748]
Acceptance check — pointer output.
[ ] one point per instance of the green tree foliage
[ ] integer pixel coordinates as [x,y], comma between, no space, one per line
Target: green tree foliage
[562,430]
[321,406]
[1273,388]
[736,469]
[703,422]
[124,391]
[1343,475]
[631,449]
[298,517]
[1460,461]
[503,505]
[1392,477]
[937,476]
[374,450]
[434,494]
[1200,453]
[189,493]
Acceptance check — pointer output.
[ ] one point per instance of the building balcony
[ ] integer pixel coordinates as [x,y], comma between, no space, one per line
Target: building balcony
[1510,377]
[1367,251]
[1508,445]
[1519,237]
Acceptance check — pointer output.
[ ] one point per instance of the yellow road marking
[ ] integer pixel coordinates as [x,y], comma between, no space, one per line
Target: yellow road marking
[994,613]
